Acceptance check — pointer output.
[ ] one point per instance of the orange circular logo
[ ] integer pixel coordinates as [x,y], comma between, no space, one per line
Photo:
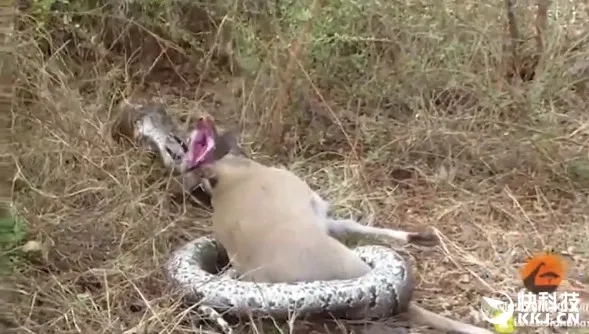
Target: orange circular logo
[543,273]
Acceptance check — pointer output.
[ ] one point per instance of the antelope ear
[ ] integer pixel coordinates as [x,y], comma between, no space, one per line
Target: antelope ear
[228,143]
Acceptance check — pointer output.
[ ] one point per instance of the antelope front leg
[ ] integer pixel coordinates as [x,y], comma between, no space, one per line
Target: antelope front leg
[339,227]
[344,226]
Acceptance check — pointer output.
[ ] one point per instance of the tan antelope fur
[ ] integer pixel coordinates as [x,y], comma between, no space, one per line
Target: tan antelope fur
[275,229]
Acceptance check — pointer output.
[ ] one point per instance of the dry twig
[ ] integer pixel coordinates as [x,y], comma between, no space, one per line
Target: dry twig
[7,68]
[541,23]
[513,34]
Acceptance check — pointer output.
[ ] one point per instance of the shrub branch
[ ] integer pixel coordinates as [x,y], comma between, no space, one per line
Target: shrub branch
[541,22]
[513,34]
[287,77]
[7,72]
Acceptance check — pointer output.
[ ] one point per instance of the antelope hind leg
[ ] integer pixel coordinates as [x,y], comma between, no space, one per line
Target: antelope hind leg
[442,323]
[345,226]
[338,227]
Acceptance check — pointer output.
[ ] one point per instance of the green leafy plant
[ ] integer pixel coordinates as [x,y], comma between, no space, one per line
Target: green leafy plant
[13,232]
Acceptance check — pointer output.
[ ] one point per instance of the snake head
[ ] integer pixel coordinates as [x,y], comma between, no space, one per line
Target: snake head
[201,144]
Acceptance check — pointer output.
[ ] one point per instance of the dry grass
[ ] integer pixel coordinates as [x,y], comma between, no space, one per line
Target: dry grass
[438,130]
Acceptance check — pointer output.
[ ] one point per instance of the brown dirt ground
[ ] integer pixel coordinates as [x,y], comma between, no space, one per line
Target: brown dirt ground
[494,188]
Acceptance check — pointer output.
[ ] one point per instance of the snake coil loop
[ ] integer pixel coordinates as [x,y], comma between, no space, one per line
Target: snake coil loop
[383,292]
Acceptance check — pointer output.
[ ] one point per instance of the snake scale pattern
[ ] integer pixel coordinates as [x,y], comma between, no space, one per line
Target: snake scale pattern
[383,292]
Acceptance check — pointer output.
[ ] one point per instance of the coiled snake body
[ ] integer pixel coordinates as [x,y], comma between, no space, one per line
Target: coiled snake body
[385,291]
